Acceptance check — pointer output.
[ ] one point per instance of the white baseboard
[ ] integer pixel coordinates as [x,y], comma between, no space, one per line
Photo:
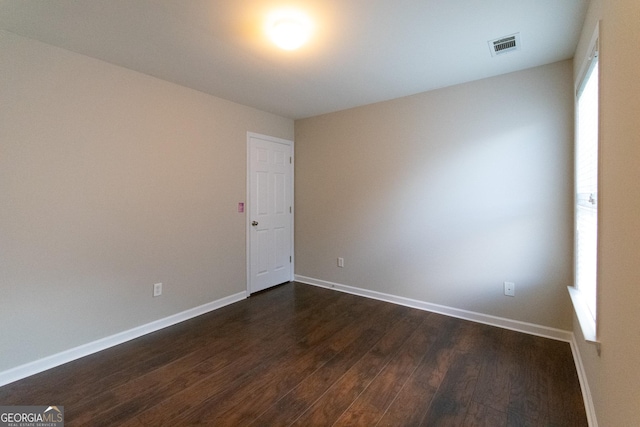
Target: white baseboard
[501,322]
[584,384]
[66,356]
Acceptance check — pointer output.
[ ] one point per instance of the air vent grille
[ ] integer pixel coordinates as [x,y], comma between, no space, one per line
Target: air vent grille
[505,44]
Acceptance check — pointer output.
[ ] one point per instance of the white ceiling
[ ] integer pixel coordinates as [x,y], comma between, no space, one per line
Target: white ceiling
[362,51]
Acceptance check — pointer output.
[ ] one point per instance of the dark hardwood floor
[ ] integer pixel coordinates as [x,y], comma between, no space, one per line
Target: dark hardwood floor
[306,356]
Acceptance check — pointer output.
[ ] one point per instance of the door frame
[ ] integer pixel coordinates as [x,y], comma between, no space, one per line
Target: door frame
[247,209]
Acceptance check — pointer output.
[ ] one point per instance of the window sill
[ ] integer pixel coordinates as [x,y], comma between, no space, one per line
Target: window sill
[587,323]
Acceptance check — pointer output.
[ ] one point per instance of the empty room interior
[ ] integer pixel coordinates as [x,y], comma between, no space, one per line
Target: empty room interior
[379,223]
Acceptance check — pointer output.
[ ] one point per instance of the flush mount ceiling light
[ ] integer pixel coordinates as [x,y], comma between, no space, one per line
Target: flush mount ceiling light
[289,29]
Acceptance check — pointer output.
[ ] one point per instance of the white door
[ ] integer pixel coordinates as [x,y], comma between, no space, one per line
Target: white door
[270,212]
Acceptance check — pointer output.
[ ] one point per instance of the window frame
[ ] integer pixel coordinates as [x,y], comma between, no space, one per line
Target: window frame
[588,322]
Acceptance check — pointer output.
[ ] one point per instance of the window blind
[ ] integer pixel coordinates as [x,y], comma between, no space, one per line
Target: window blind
[587,187]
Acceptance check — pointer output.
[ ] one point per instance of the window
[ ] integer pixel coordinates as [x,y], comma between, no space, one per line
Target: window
[587,190]
[584,294]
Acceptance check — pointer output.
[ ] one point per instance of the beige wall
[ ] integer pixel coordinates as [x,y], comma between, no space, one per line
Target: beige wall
[112,181]
[614,377]
[445,195]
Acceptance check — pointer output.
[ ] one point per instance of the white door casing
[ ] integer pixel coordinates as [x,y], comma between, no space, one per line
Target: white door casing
[270,211]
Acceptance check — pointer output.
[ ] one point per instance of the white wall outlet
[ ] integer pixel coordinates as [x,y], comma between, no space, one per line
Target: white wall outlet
[510,289]
[157,289]
[341,262]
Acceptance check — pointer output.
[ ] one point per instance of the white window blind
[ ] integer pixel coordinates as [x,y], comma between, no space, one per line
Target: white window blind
[586,217]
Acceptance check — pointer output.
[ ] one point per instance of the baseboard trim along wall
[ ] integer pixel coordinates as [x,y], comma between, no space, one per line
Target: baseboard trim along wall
[501,322]
[584,384]
[72,354]
[515,325]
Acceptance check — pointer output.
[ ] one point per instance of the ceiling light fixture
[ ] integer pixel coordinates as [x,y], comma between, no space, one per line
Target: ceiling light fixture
[289,29]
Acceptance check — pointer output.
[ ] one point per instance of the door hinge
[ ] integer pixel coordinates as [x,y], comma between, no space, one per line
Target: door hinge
[290,161]
[289,258]
[290,211]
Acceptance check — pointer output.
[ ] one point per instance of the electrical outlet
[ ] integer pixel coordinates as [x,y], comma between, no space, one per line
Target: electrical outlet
[157,289]
[341,262]
[510,289]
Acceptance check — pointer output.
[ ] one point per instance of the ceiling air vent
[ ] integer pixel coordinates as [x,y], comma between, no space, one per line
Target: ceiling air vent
[505,44]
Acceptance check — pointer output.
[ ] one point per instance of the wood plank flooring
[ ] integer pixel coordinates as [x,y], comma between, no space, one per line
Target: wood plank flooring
[305,356]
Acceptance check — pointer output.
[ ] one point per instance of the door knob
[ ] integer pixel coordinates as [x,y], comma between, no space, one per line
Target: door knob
[254,223]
